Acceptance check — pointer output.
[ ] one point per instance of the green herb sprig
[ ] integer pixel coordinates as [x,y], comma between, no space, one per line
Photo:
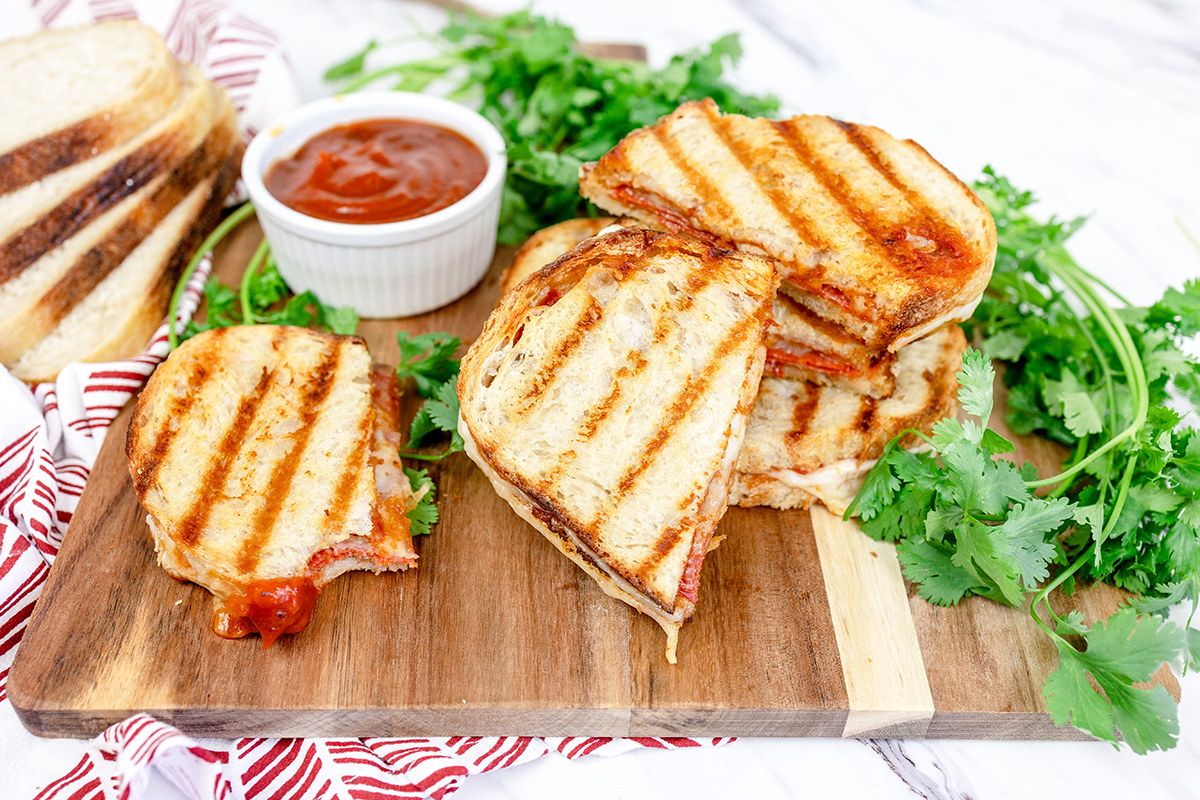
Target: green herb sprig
[258,297]
[428,360]
[1126,507]
[556,106]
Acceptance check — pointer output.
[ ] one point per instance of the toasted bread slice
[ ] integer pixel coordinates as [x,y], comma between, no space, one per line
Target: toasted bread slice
[38,299]
[869,231]
[257,455]
[800,345]
[807,442]
[38,217]
[118,315]
[72,93]
[606,400]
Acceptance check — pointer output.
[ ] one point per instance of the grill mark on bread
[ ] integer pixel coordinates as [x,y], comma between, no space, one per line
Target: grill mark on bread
[310,397]
[866,414]
[212,482]
[710,193]
[149,461]
[338,500]
[951,253]
[802,415]
[693,388]
[562,524]
[635,364]
[836,187]
[809,233]
[577,331]
[96,264]
[48,154]
[61,222]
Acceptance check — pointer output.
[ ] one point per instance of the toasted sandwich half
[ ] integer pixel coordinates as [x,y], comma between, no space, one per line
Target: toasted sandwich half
[607,399]
[266,458]
[870,232]
[807,442]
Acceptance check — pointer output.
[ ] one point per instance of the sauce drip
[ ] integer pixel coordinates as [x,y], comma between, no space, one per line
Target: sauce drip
[377,170]
[270,607]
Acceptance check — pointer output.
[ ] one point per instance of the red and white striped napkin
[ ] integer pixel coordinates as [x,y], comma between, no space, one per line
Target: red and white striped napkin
[49,438]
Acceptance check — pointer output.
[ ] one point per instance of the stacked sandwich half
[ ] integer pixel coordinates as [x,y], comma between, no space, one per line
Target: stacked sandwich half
[877,249]
[115,159]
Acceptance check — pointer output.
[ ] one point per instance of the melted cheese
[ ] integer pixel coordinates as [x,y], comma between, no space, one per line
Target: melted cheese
[834,484]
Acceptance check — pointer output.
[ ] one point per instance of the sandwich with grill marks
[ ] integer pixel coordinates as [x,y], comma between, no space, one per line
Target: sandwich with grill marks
[606,399]
[870,232]
[266,458]
[807,442]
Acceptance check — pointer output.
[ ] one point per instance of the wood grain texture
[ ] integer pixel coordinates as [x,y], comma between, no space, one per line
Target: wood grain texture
[797,632]
[885,675]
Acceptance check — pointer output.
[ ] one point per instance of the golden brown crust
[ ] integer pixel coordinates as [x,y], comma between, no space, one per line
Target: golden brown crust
[23,330]
[869,231]
[145,99]
[548,244]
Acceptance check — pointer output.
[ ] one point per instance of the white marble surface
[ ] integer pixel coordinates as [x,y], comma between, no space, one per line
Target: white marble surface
[1093,105]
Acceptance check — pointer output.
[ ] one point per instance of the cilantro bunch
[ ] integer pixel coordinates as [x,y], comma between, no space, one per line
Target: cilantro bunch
[556,106]
[1126,507]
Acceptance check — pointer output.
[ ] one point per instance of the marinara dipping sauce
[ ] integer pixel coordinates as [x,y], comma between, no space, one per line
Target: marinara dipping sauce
[377,170]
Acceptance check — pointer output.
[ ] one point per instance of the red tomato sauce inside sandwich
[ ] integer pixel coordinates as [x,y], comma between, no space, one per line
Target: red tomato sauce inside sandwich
[269,608]
[669,219]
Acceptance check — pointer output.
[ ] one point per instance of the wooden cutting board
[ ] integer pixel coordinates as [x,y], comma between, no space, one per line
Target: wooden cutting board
[805,627]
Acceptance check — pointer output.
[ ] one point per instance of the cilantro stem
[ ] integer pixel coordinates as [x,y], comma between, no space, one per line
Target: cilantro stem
[1043,596]
[437,65]
[1127,354]
[427,457]
[240,214]
[260,255]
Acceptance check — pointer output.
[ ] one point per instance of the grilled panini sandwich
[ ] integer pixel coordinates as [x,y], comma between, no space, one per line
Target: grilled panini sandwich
[607,398]
[267,460]
[870,233]
[808,442]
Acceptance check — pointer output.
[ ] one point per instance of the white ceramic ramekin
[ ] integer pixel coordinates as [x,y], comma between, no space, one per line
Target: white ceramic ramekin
[392,269]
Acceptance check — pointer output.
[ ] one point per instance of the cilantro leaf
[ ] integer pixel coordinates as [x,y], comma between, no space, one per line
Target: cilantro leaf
[427,360]
[1124,650]
[938,579]
[555,105]
[424,515]
[1029,529]
[975,381]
